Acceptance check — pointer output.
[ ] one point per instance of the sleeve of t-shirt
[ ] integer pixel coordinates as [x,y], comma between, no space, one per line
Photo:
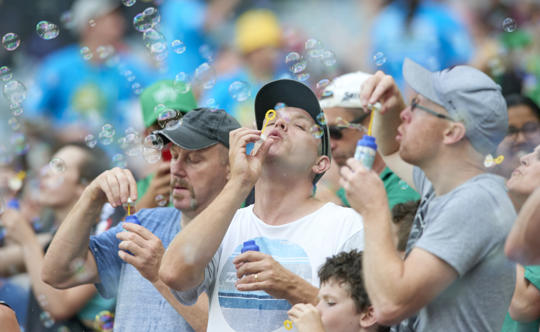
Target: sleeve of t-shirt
[189,297]
[104,247]
[532,273]
[356,241]
[461,223]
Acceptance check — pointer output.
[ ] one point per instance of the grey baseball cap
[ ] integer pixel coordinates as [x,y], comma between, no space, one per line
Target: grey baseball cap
[201,128]
[469,96]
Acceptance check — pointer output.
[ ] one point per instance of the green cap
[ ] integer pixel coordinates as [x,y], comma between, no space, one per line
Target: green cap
[167,93]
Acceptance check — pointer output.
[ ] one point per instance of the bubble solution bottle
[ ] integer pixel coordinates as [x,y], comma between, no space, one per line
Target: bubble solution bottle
[366,148]
[132,219]
[250,246]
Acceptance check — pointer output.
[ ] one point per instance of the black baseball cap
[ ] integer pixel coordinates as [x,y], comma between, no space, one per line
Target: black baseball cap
[293,94]
[201,128]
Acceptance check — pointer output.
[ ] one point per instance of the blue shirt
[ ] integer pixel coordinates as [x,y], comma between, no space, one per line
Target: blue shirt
[139,305]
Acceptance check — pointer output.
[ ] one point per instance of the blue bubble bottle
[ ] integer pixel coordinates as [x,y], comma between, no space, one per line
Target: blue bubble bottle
[250,246]
[366,148]
[132,219]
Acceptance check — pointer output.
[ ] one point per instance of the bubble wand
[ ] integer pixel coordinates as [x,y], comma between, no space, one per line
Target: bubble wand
[372,108]
[270,115]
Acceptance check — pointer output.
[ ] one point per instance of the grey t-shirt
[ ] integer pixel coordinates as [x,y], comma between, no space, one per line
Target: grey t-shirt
[139,305]
[466,228]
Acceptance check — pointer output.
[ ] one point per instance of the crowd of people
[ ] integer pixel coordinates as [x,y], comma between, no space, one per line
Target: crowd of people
[215,187]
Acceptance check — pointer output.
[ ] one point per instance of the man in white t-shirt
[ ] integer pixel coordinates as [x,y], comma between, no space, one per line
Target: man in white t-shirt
[293,232]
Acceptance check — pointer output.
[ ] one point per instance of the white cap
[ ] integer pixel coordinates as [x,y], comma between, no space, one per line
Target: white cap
[83,11]
[344,91]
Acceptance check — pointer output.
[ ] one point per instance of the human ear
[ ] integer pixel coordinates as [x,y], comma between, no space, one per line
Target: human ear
[454,133]
[367,318]
[322,165]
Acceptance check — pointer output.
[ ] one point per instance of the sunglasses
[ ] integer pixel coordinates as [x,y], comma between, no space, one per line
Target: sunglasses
[336,132]
[414,105]
[528,128]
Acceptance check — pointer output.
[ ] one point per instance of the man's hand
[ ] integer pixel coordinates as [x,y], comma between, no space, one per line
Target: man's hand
[160,185]
[17,227]
[363,187]
[383,89]
[247,167]
[258,271]
[145,247]
[115,186]
[306,318]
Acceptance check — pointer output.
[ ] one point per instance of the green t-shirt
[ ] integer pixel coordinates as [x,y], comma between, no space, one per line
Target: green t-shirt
[397,190]
[532,273]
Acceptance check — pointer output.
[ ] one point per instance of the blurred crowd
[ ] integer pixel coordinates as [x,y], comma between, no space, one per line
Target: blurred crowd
[114,109]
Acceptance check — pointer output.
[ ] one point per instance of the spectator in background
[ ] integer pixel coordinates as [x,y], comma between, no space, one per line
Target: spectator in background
[50,309]
[457,117]
[402,220]
[199,170]
[425,31]
[155,189]
[524,311]
[344,304]
[258,39]
[523,133]
[83,86]
[348,121]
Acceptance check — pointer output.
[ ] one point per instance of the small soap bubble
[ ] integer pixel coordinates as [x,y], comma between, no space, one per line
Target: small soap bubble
[105,51]
[131,78]
[42,300]
[240,90]
[329,58]
[159,108]
[292,57]
[67,19]
[206,52]
[165,116]
[92,23]
[47,30]
[379,58]
[151,155]
[295,62]
[105,138]
[86,53]
[46,319]
[128,3]
[153,141]
[57,165]
[314,48]
[11,41]
[321,119]
[322,84]
[155,41]
[108,129]
[137,88]
[182,82]
[119,160]
[279,106]
[90,141]
[205,76]
[104,321]
[146,20]
[509,24]
[209,103]
[5,73]
[316,131]
[14,91]
[161,200]
[14,123]
[16,109]
[302,77]
[178,46]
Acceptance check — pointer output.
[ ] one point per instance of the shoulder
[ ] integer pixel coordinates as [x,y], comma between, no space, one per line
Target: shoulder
[339,213]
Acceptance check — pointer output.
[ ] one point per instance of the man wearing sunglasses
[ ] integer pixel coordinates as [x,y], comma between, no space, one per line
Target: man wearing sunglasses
[455,276]
[347,122]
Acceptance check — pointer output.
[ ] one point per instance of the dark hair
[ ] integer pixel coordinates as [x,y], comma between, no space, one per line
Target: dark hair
[517,100]
[95,162]
[346,267]
[403,217]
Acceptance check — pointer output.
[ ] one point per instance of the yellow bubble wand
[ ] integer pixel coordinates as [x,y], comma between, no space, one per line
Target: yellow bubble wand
[270,115]
[372,108]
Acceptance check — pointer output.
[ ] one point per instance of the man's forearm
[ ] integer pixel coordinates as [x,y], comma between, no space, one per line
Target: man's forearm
[71,242]
[385,130]
[183,264]
[303,292]
[196,315]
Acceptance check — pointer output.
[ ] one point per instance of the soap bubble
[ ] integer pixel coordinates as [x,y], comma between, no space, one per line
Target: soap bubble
[16,109]
[128,3]
[302,77]
[5,73]
[137,88]
[147,19]
[151,155]
[509,24]
[119,160]
[279,106]
[321,119]
[14,91]
[105,321]
[46,319]
[329,58]
[108,129]
[314,48]
[47,30]
[161,200]
[67,19]
[105,51]
[131,143]
[92,23]
[90,141]
[42,300]
[86,53]
[58,165]
[153,141]
[296,63]
[165,116]
[379,58]
[14,123]
[178,46]
[182,82]
[240,90]
[205,75]
[155,41]
[316,131]
[206,52]
[106,135]
[322,84]
[11,41]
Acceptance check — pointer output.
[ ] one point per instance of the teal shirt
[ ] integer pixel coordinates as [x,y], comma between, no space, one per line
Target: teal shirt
[532,273]
[397,190]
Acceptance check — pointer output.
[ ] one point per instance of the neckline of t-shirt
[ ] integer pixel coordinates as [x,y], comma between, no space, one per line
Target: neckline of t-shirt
[294,222]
